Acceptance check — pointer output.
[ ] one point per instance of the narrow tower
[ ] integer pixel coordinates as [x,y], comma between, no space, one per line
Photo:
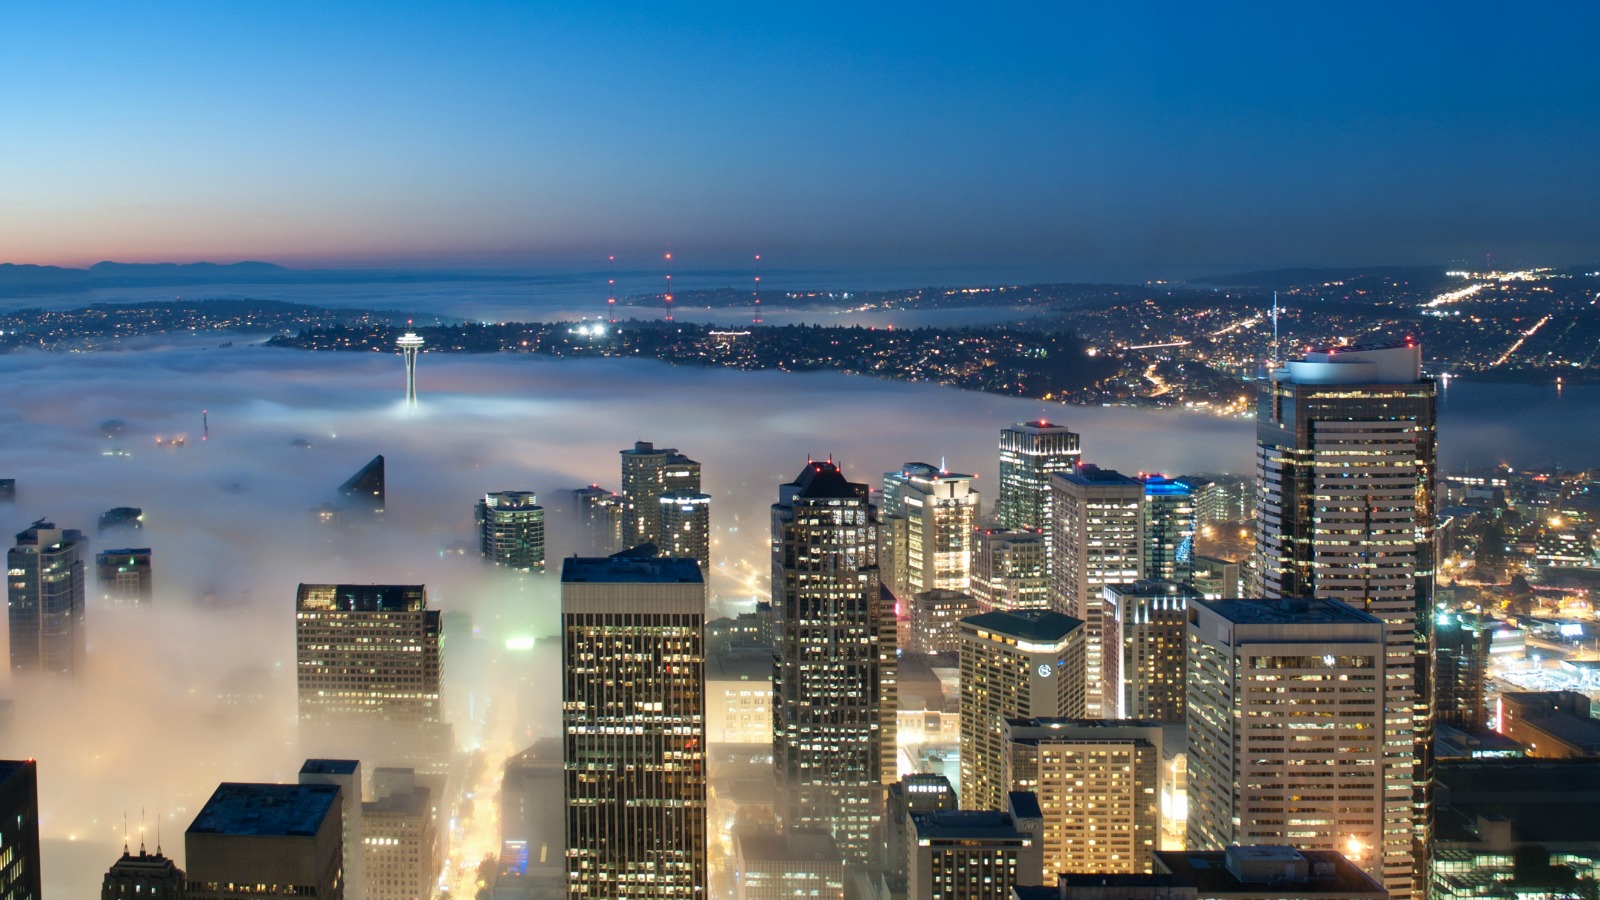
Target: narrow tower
[409,343]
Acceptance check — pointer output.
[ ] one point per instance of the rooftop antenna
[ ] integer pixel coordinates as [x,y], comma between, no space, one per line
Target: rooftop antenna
[611,287]
[756,318]
[668,294]
[205,426]
[141,831]
[124,832]
[1274,326]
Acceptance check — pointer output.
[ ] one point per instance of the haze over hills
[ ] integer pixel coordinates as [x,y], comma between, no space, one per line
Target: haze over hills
[18,280]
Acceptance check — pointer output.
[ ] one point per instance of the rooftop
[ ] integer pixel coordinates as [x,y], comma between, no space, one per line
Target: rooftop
[272,810]
[1152,587]
[1094,476]
[822,480]
[621,569]
[363,597]
[1025,624]
[1287,612]
[802,846]
[964,825]
[1327,872]
[330,767]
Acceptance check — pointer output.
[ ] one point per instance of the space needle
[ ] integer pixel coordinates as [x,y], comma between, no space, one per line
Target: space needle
[409,343]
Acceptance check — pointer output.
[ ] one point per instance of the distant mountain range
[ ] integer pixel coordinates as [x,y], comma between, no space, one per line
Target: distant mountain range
[26,280]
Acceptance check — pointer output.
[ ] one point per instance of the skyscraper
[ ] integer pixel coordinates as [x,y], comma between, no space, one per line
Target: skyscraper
[1285,725]
[686,527]
[44,591]
[1013,664]
[834,654]
[346,775]
[1169,528]
[19,830]
[267,839]
[147,876]
[602,515]
[1345,465]
[1009,570]
[974,854]
[400,846]
[1098,539]
[1145,630]
[369,667]
[1461,668]
[1099,787]
[365,490]
[647,473]
[927,517]
[1030,452]
[124,575]
[633,723]
[511,530]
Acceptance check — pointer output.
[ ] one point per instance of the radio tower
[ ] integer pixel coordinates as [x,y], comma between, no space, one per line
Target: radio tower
[756,318]
[611,286]
[668,294]
[409,343]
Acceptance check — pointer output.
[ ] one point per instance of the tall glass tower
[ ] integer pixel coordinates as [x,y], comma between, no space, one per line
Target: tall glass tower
[1029,453]
[45,594]
[1345,461]
[834,698]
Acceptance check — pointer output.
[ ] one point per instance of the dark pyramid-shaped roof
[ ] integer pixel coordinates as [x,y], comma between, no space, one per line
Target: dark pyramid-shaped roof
[821,480]
[365,488]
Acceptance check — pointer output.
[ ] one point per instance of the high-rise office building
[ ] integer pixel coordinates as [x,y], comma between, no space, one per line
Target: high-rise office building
[532,807]
[367,490]
[369,666]
[1009,570]
[648,472]
[1345,465]
[1223,498]
[633,726]
[936,620]
[927,517]
[146,876]
[511,530]
[686,527]
[1098,539]
[251,840]
[1099,787]
[834,698]
[602,516]
[1016,664]
[121,517]
[19,830]
[1285,728]
[785,866]
[124,575]
[344,774]
[1217,578]
[1169,528]
[1461,669]
[921,792]
[400,844]
[1145,629]
[972,854]
[44,590]
[8,490]
[1030,452]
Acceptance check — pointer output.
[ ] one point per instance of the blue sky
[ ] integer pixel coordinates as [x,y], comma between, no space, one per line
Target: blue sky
[507,134]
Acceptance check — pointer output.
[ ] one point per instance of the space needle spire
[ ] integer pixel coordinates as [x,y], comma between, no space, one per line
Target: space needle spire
[409,343]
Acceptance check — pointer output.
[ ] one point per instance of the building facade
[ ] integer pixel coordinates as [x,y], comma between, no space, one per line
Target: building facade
[1170,523]
[251,840]
[511,530]
[1010,570]
[369,668]
[1145,628]
[1097,539]
[1099,787]
[927,520]
[648,472]
[124,576]
[834,689]
[45,596]
[1345,466]
[1030,452]
[974,855]
[1017,664]
[19,831]
[633,726]
[1285,727]
[686,527]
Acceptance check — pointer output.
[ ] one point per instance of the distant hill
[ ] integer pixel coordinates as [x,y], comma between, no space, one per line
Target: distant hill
[1282,279]
[189,273]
